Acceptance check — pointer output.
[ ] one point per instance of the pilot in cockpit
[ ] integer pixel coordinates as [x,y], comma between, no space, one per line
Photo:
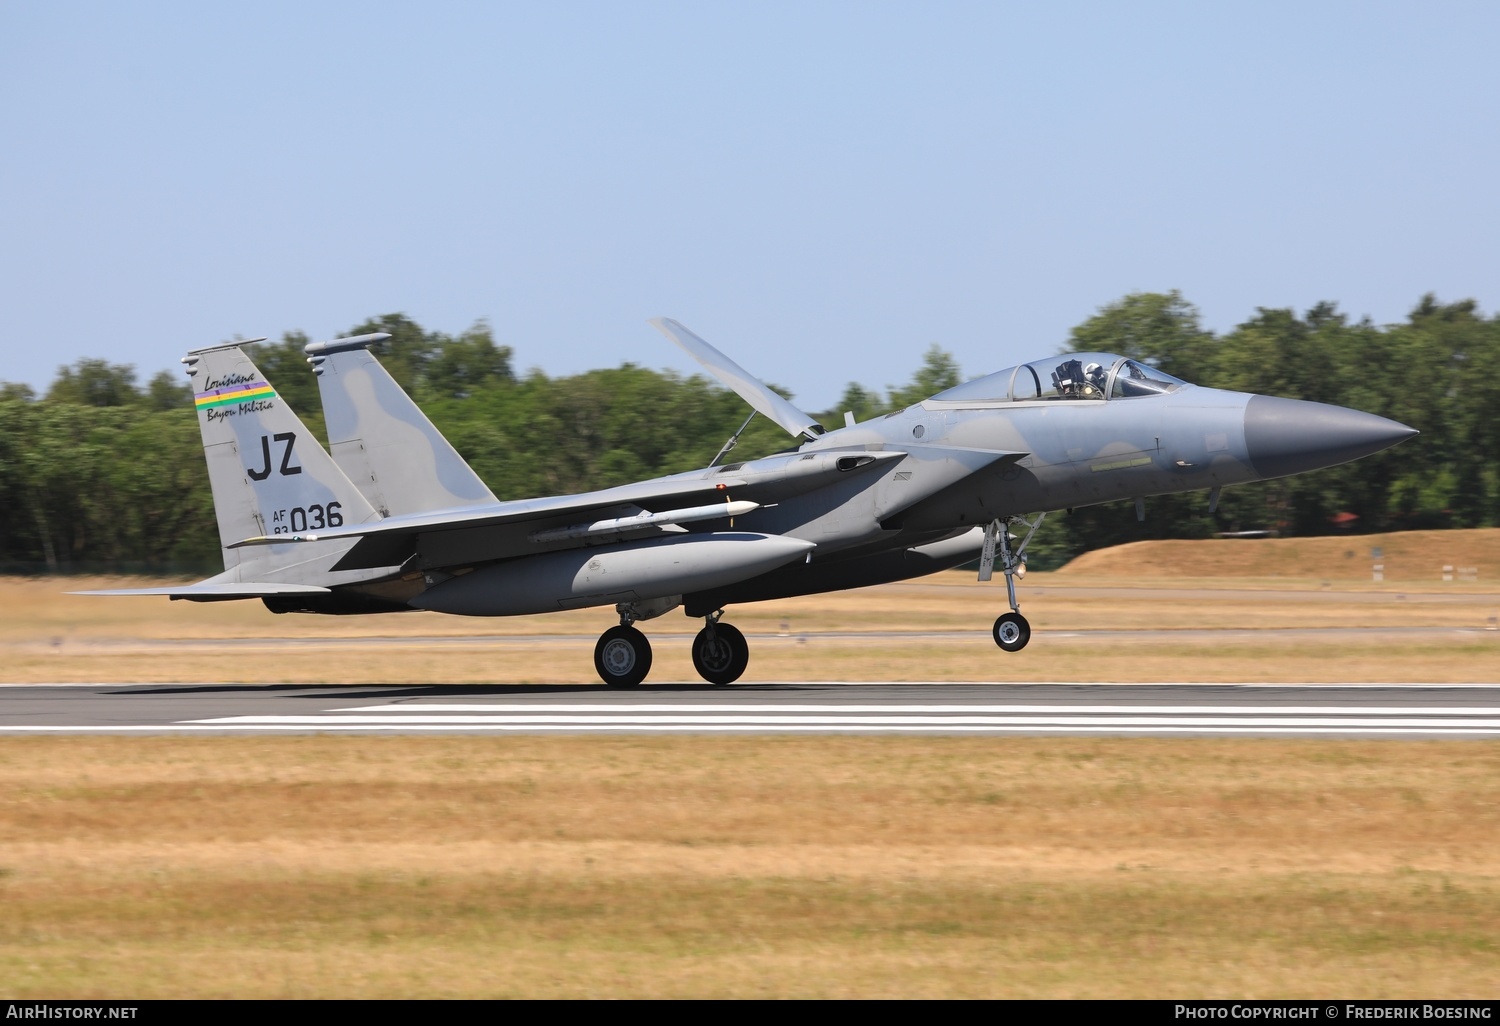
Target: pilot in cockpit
[1073,380]
[1094,374]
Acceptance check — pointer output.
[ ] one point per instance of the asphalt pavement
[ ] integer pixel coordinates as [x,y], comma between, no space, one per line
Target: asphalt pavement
[1391,710]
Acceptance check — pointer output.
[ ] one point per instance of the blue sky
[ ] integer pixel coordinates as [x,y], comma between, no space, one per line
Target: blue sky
[823,190]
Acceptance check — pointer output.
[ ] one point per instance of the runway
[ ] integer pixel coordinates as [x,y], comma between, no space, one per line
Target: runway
[1041,708]
[362,643]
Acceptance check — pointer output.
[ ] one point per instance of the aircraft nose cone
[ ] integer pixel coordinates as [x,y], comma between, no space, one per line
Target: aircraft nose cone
[1289,436]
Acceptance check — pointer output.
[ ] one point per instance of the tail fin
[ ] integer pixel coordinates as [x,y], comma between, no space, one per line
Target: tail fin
[381,440]
[268,473]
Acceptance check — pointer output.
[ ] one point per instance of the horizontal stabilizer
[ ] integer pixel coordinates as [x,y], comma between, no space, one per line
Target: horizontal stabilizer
[750,388]
[206,592]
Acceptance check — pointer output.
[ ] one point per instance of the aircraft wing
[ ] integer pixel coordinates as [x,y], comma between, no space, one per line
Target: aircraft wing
[662,495]
[206,592]
[750,388]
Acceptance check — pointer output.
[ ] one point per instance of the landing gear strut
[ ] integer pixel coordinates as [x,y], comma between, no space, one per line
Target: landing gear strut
[1011,630]
[623,655]
[720,651]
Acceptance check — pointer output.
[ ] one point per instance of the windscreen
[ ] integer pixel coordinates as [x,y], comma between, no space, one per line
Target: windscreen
[1134,379]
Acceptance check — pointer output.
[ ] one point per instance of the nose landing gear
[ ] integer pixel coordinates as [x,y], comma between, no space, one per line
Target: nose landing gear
[1011,630]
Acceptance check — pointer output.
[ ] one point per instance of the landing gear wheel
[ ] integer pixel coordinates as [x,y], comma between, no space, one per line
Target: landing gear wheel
[1012,632]
[720,654]
[622,657]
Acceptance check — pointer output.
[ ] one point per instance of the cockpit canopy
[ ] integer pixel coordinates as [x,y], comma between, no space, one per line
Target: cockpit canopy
[1069,376]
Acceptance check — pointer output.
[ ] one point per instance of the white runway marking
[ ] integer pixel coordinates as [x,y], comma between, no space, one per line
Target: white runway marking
[893,722]
[713,717]
[1249,710]
[545,728]
[804,707]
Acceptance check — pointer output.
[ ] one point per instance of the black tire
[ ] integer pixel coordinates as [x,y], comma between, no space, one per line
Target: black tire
[720,654]
[1012,632]
[622,657]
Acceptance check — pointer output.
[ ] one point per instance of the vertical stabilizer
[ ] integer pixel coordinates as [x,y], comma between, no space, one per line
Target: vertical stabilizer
[268,473]
[381,440]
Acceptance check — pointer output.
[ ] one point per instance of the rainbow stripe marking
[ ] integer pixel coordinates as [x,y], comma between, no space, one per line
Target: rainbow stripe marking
[233,394]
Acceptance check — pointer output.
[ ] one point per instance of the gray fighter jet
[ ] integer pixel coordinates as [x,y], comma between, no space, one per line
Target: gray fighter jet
[391,518]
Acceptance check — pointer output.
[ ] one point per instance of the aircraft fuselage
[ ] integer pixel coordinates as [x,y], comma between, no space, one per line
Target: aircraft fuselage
[392,518]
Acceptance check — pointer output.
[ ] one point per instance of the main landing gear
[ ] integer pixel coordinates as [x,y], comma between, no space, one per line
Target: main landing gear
[622,656]
[720,651]
[1011,630]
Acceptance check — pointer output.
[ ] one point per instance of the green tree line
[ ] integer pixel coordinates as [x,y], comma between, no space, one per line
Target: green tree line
[1434,372]
[101,472]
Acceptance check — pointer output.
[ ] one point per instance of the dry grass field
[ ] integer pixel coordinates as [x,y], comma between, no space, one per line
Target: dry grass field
[1414,558]
[1181,588]
[735,867]
[815,867]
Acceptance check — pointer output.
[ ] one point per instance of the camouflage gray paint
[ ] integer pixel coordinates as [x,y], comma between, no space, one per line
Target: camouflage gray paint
[1135,433]
[396,520]
[269,477]
[381,440]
